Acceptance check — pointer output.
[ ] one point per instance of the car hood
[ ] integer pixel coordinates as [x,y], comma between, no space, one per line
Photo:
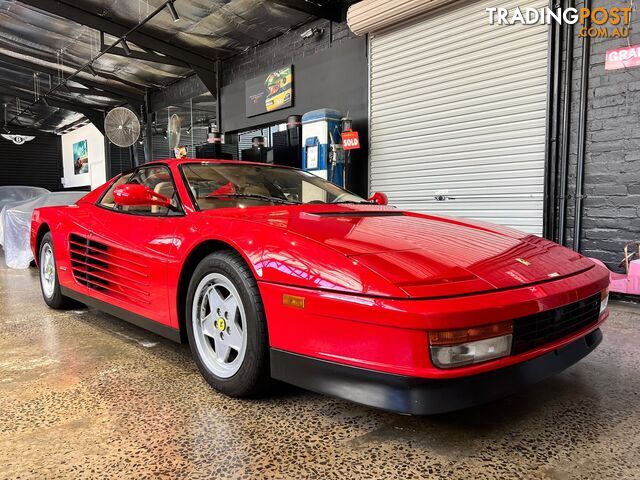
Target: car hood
[428,255]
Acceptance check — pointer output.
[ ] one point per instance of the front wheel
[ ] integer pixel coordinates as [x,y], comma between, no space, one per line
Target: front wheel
[49,283]
[226,325]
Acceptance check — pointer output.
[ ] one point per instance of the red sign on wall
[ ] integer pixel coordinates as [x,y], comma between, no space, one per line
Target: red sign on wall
[350,140]
[624,57]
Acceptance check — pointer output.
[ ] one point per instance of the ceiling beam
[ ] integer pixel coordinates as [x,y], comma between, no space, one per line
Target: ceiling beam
[22,53]
[77,90]
[103,24]
[315,8]
[95,116]
[178,92]
[36,67]
[149,57]
[90,91]
[44,119]
[146,55]
[209,79]
[53,102]
[72,126]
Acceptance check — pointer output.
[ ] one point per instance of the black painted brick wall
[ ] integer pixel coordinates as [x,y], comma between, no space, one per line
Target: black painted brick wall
[282,50]
[121,159]
[160,144]
[37,163]
[289,48]
[611,214]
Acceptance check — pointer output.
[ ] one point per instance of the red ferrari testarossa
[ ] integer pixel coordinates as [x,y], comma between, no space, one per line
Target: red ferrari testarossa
[272,272]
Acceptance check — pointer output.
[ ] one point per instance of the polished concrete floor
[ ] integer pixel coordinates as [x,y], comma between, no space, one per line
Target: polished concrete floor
[85,395]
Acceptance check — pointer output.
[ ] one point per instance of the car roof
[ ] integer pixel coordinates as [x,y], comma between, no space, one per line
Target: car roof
[182,161]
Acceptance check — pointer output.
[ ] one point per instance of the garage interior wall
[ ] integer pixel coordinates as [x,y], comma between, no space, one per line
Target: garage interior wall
[97,173]
[37,163]
[329,71]
[611,214]
[160,144]
[458,114]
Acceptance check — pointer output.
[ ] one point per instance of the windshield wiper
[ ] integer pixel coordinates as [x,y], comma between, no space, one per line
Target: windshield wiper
[364,202]
[256,196]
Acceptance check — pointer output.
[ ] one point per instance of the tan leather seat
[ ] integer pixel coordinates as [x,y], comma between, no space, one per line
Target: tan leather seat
[163,188]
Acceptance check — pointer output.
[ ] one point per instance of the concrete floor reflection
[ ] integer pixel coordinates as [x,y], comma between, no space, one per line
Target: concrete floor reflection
[85,395]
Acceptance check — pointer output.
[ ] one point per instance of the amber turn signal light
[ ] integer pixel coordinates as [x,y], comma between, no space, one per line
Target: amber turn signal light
[465,335]
[293,301]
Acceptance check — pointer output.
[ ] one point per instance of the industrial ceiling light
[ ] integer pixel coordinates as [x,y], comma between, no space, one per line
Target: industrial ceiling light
[173,11]
[44,100]
[125,47]
[91,70]
[189,130]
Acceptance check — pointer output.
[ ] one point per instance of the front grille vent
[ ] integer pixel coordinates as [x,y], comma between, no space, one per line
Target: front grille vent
[545,327]
[108,270]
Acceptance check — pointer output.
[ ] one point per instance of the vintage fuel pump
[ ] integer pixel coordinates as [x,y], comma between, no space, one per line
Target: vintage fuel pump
[336,171]
[322,152]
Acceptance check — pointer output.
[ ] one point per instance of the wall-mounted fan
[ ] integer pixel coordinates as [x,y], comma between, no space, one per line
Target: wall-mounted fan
[173,131]
[122,127]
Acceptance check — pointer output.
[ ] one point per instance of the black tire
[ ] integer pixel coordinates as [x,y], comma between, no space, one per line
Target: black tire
[253,376]
[57,300]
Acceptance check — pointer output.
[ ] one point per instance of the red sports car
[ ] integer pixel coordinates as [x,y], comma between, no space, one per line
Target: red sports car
[272,272]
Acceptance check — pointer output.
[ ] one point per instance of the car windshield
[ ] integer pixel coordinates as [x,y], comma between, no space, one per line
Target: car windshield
[220,185]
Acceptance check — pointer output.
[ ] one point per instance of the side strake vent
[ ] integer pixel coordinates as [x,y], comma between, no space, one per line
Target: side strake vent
[108,270]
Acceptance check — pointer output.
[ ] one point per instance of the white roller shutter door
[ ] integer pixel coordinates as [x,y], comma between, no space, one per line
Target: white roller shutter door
[458,111]
[367,16]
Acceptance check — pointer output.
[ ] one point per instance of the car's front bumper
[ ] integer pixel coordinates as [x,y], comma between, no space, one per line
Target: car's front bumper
[391,335]
[423,396]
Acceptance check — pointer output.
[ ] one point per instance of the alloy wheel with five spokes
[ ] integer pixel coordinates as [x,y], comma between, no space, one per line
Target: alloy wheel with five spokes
[219,325]
[47,271]
[49,281]
[226,325]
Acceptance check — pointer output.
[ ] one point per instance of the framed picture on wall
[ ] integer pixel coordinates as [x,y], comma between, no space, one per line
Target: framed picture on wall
[269,92]
[80,157]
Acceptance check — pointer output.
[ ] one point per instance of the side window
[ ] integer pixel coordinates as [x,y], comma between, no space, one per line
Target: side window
[156,178]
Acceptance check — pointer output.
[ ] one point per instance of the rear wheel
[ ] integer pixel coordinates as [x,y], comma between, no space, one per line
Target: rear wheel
[49,283]
[226,325]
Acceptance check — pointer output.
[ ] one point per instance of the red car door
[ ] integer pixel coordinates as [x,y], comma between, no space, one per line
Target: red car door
[133,246]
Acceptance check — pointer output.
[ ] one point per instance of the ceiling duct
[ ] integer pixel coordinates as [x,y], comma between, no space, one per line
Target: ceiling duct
[371,16]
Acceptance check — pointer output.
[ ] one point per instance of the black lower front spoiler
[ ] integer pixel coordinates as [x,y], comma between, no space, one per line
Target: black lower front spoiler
[421,396]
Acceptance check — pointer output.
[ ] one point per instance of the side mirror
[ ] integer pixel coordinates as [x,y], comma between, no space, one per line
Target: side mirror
[379,198]
[136,195]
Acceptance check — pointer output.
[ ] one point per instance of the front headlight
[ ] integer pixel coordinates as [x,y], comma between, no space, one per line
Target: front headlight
[455,348]
[472,352]
[604,300]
